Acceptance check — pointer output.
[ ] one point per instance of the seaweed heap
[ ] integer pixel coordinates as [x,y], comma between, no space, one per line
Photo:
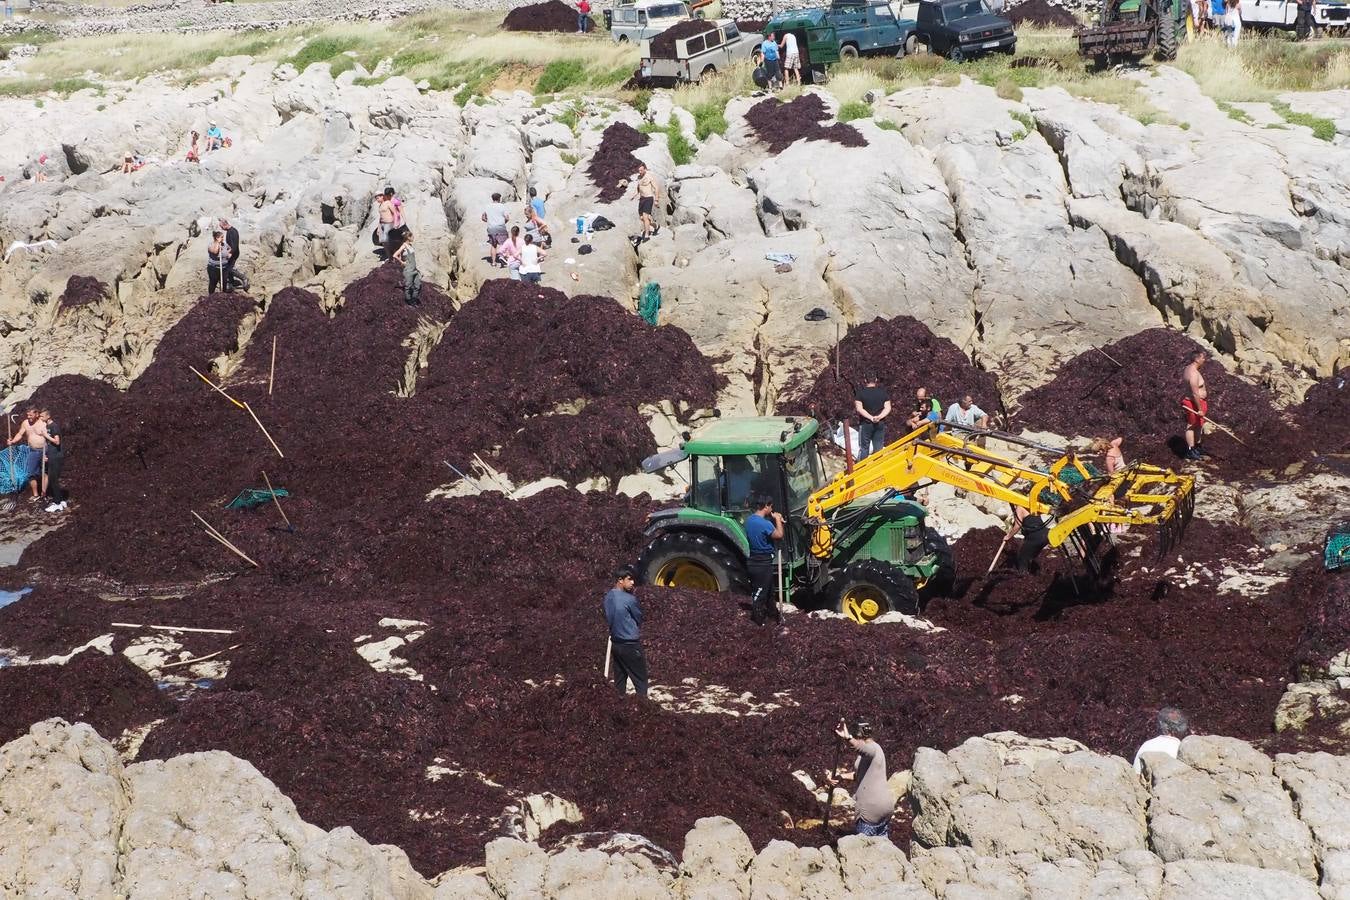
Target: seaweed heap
[663,45]
[613,161]
[81,291]
[779,125]
[551,15]
[904,355]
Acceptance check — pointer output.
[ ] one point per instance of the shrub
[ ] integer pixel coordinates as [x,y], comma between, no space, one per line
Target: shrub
[710,118]
[854,109]
[321,49]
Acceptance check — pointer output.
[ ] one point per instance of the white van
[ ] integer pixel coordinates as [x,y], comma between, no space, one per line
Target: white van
[1284,13]
[645,19]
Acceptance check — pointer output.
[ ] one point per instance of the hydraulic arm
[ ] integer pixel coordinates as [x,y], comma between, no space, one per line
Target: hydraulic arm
[1066,496]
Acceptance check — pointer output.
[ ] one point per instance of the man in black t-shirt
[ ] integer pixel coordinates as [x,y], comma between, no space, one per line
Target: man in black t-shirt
[51,482]
[873,405]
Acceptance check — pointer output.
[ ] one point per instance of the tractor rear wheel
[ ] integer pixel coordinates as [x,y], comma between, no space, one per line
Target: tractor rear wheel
[869,588]
[1167,38]
[688,559]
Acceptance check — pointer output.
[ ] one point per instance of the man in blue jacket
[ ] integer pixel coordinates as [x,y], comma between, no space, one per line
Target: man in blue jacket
[625,623]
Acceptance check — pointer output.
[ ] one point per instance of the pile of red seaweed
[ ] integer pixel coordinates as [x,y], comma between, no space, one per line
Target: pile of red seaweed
[551,15]
[614,162]
[904,355]
[108,692]
[663,45]
[1133,389]
[82,291]
[779,125]
[1040,13]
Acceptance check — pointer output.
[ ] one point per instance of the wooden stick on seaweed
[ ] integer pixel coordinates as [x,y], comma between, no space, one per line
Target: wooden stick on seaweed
[173,628]
[188,662]
[273,491]
[220,537]
[250,411]
[271,373]
[215,388]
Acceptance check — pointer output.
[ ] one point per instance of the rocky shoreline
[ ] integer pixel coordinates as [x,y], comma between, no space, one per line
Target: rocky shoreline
[999,816]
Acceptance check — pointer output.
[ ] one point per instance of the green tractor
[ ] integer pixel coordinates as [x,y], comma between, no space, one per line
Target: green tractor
[882,554]
[1132,29]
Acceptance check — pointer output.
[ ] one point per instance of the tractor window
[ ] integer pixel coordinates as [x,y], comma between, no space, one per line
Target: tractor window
[707,484]
[803,475]
[745,476]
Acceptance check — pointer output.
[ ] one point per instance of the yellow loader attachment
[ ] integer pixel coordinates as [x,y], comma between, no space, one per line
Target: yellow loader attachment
[1072,504]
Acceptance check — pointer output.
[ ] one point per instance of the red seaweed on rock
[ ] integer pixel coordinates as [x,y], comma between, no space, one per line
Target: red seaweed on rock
[779,125]
[81,290]
[614,161]
[904,355]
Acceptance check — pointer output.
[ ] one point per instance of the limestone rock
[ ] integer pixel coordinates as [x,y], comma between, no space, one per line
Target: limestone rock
[1220,800]
[62,803]
[1197,880]
[783,871]
[1320,786]
[1005,797]
[516,869]
[716,860]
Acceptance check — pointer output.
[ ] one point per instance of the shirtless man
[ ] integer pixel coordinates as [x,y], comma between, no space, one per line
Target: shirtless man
[34,430]
[648,192]
[1196,403]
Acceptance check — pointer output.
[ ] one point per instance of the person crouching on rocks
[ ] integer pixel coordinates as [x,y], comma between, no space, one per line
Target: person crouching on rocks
[412,279]
[872,797]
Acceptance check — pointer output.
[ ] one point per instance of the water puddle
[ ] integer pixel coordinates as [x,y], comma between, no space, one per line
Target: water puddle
[8,597]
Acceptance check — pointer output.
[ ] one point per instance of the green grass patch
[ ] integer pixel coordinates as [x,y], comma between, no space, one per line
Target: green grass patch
[322,49]
[560,75]
[1234,113]
[854,109]
[710,118]
[1322,129]
[641,100]
[570,116]
[1025,120]
[681,149]
[464,95]
[570,158]
[27,87]
[887,125]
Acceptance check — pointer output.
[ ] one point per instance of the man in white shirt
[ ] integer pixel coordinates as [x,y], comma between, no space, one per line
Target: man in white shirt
[1172,727]
[792,60]
[967,413]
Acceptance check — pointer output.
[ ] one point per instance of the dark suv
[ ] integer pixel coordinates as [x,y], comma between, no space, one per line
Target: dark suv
[962,29]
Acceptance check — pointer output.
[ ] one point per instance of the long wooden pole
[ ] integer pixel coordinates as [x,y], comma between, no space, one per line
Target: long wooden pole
[273,491]
[250,411]
[220,537]
[271,373]
[173,628]
[1204,417]
[188,662]
[215,388]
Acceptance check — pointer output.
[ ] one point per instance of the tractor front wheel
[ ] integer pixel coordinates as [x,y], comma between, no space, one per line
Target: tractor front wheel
[869,588]
[688,559]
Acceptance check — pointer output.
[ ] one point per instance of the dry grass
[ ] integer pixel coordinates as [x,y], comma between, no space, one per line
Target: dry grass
[1265,66]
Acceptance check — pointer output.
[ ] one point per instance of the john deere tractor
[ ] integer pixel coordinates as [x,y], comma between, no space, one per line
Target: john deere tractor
[856,543]
[1133,29]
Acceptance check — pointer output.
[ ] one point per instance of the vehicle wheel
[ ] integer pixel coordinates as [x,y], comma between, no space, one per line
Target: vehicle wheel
[943,581]
[911,45]
[848,51]
[708,70]
[819,75]
[869,588]
[1167,39]
[689,559]
[1010,50]
[623,39]
[955,55]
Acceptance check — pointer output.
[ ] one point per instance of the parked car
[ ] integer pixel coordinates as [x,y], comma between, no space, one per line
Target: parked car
[645,19]
[963,29]
[1284,14]
[698,56]
[871,28]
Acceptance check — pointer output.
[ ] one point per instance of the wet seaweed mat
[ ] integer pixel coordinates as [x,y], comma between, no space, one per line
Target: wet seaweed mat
[613,161]
[551,15]
[779,125]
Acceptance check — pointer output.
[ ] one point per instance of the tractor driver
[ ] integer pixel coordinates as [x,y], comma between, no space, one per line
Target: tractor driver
[763,530]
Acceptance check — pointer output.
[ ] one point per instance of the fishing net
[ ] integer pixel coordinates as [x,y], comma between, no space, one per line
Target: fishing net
[650,304]
[1336,554]
[251,497]
[13,468]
